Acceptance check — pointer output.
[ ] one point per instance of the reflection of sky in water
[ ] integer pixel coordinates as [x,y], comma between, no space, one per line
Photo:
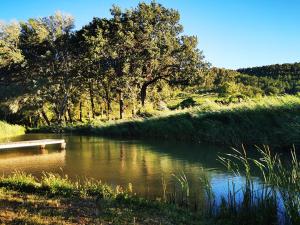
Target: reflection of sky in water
[121,162]
[221,183]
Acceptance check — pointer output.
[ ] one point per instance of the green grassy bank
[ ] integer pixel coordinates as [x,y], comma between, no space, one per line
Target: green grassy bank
[56,200]
[274,121]
[8,130]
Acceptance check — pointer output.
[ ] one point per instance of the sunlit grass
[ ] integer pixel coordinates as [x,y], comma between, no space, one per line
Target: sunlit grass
[58,185]
[8,130]
[20,181]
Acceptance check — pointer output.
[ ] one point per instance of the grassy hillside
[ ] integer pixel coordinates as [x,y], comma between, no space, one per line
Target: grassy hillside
[8,130]
[269,120]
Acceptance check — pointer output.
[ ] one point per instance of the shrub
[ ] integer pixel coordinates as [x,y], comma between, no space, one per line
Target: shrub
[187,103]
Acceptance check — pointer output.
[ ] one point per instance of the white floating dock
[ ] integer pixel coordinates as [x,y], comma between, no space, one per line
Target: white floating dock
[41,143]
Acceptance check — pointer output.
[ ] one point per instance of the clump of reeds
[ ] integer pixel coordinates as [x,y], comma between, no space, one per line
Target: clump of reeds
[184,188]
[280,183]
[269,194]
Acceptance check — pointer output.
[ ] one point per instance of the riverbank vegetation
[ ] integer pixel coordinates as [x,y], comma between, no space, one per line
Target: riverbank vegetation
[8,130]
[54,198]
[40,207]
[268,120]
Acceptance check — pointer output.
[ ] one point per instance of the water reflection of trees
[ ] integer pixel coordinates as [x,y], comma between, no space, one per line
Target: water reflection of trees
[123,162]
[141,163]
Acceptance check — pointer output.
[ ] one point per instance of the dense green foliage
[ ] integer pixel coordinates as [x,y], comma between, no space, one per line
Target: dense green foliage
[51,73]
[8,130]
[286,75]
[239,83]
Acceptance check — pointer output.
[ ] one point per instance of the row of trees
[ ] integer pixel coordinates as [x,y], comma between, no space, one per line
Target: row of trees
[47,66]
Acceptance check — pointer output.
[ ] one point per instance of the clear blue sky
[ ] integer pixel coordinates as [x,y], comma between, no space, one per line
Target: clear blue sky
[232,33]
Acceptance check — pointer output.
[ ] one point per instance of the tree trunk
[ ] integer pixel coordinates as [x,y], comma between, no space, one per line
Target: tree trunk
[133,108]
[58,116]
[101,110]
[143,93]
[107,109]
[36,120]
[61,112]
[45,117]
[65,117]
[80,111]
[70,115]
[30,121]
[92,99]
[121,104]
[89,117]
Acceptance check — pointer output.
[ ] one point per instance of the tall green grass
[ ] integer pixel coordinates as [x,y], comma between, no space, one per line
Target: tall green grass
[274,198]
[280,184]
[56,185]
[8,130]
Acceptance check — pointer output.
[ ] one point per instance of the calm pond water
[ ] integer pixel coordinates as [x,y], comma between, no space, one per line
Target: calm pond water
[121,162]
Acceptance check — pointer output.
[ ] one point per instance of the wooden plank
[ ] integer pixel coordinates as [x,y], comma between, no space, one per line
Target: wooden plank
[41,143]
